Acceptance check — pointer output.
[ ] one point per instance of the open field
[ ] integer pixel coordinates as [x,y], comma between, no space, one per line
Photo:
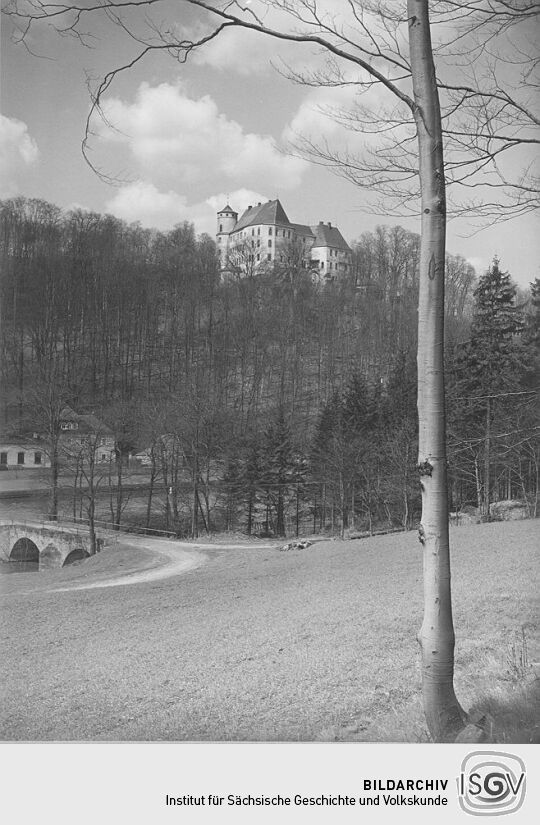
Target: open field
[257,644]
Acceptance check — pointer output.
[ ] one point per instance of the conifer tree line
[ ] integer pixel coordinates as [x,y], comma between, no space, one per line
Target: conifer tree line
[267,403]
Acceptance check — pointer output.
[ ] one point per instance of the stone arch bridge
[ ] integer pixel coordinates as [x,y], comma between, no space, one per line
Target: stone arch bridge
[50,545]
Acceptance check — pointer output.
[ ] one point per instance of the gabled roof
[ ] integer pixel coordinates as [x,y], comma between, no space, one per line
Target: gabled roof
[87,423]
[68,414]
[92,424]
[227,209]
[268,214]
[24,441]
[303,229]
[329,236]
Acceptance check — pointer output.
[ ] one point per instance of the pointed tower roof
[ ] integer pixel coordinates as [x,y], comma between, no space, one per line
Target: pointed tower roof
[270,214]
[227,208]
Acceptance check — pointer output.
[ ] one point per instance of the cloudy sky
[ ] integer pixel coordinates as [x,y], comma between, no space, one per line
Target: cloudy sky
[180,140]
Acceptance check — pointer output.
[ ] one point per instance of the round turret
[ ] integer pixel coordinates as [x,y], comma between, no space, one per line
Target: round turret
[226,220]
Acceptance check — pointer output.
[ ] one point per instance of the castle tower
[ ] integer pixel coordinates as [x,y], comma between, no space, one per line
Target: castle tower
[226,221]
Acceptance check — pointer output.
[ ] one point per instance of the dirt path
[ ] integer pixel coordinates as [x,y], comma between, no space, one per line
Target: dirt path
[172,559]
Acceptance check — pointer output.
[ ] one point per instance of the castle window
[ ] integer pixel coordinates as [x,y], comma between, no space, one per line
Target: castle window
[221,227]
[258,257]
[252,231]
[37,458]
[3,458]
[269,257]
[258,242]
[269,230]
[258,230]
[20,458]
[270,242]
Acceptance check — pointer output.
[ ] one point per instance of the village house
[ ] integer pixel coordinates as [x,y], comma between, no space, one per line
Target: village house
[265,236]
[23,453]
[79,432]
[31,450]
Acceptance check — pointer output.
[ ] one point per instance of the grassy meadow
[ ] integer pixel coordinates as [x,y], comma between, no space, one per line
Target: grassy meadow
[258,644]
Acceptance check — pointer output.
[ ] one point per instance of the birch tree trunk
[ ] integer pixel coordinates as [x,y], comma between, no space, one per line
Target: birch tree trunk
[444,715]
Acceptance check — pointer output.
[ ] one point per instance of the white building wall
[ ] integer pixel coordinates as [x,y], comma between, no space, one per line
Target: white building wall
[260,244]
[33,457]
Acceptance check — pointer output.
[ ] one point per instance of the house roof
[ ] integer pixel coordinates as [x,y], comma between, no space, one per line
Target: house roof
[270,213]
[23,442]
[87,423]
[303,229]
[326,235]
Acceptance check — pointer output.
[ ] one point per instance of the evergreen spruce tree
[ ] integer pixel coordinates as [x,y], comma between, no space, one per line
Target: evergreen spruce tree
[279,471]
[531,337]
[358,410]
[233,486]
[487,374]
[250,483]
[398,439]
[320,470]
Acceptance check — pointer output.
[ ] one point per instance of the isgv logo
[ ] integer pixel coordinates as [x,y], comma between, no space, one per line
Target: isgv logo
[491,783]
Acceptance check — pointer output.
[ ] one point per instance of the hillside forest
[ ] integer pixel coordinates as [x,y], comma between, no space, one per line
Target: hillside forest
[261,403]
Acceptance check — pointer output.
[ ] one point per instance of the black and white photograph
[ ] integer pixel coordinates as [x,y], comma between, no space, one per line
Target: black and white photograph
[269,409]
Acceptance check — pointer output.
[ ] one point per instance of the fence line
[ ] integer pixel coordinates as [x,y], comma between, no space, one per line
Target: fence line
[103,525]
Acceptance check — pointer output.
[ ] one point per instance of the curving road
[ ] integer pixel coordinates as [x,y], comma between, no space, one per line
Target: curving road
[172,559]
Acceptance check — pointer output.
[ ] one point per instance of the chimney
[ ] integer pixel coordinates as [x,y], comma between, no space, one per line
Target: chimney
[329,224]
[321,223]
[259,204]
[249,207]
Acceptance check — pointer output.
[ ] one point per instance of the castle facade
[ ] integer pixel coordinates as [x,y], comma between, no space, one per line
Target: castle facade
[264,236]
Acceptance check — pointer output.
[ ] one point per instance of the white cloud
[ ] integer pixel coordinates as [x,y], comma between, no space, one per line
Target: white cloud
[324,112]
[176,138]
[240,199]
[18,151]
[143,202]
[247,52]
[315,114]
[244,52]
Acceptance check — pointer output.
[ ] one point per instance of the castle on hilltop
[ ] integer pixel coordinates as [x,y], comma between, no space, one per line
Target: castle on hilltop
[264,236]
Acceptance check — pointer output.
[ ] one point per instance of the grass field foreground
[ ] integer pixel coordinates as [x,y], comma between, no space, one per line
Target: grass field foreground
[267,645]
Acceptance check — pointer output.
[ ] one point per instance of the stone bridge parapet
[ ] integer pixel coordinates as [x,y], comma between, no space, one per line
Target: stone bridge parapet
[52,545]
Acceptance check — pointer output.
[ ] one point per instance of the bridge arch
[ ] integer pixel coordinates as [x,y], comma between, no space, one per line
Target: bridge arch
[25,549]
[47,545]
[76,555]
[51,556]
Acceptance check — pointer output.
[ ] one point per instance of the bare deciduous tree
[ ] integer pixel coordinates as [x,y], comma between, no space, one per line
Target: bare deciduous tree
[481,123]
